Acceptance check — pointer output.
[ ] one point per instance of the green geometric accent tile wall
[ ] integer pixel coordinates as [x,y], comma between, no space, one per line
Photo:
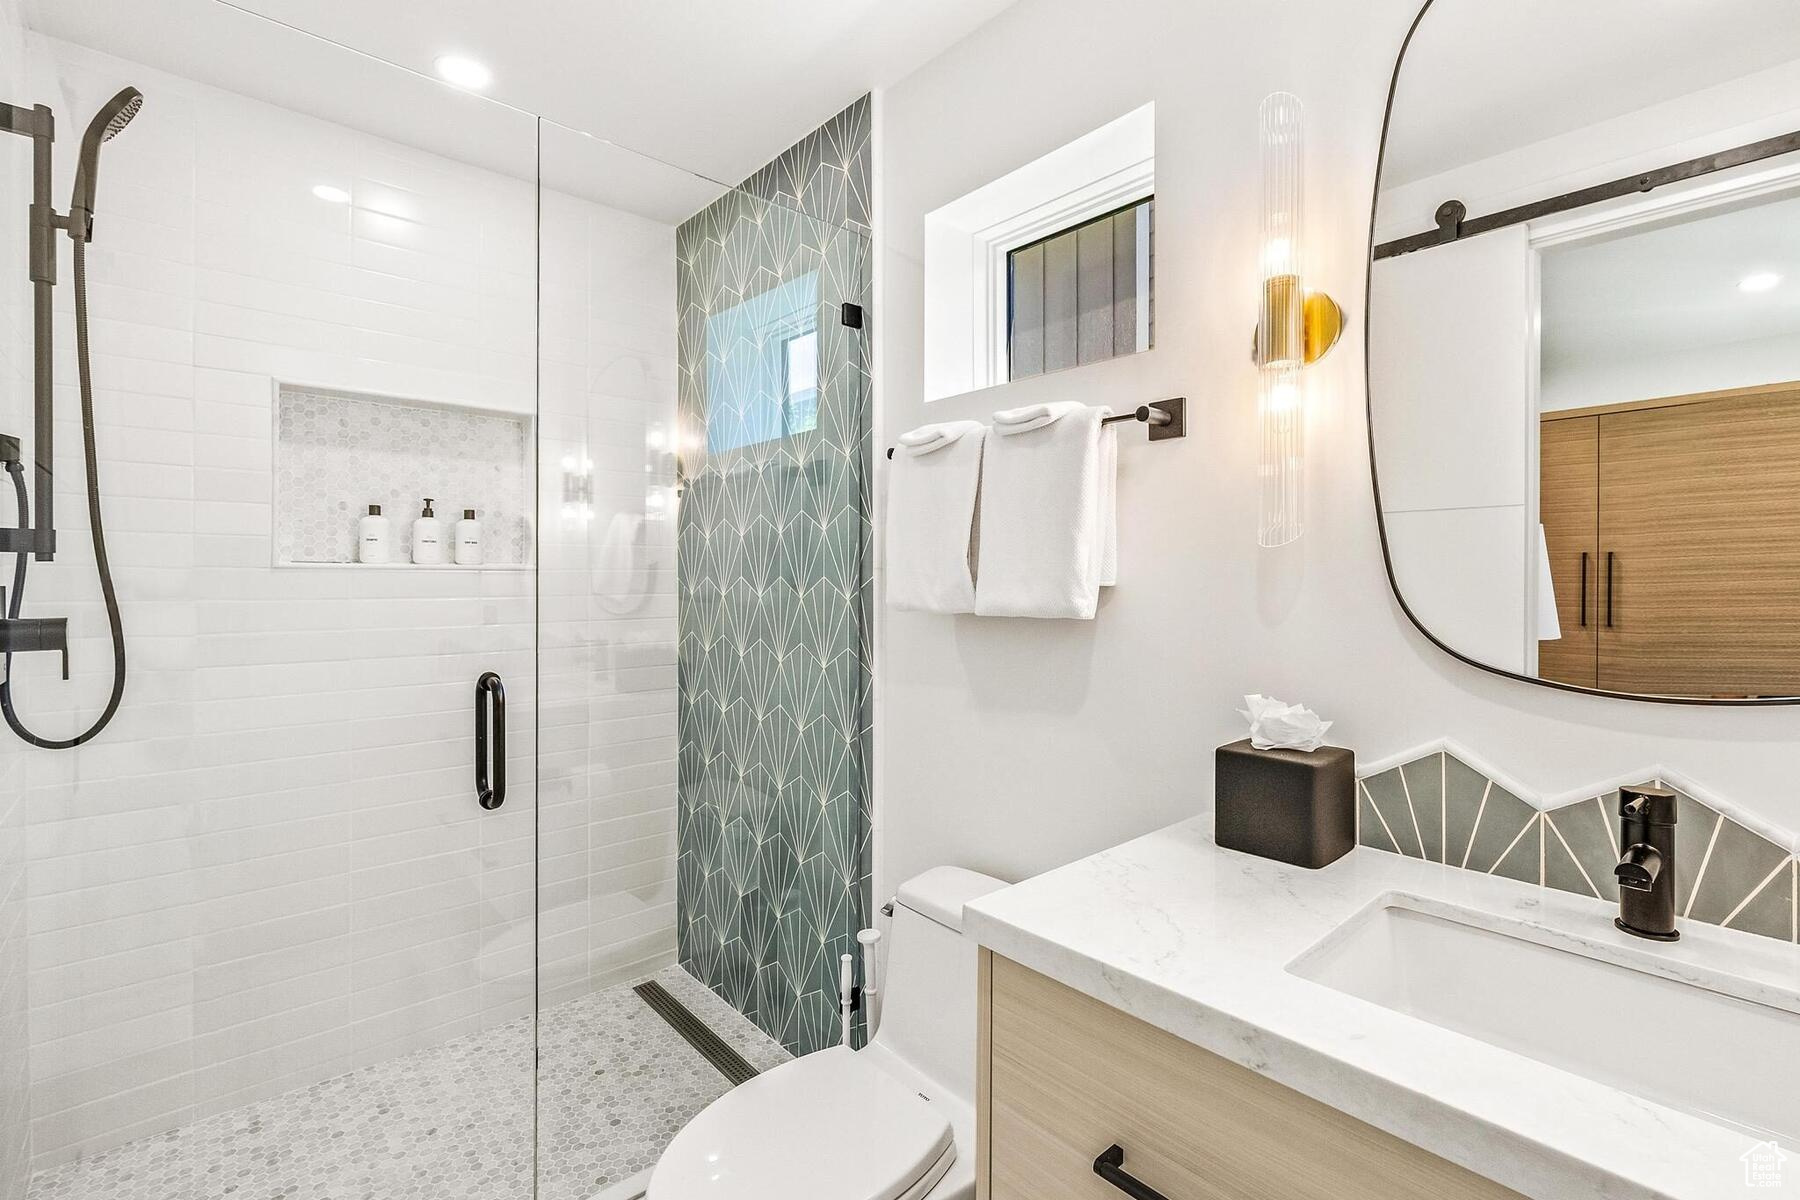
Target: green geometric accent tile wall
[774,586]
[1439,808]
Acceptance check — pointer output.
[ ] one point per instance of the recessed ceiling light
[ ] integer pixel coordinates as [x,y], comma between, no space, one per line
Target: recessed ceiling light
[331,195]
[1760,281]
[464,72]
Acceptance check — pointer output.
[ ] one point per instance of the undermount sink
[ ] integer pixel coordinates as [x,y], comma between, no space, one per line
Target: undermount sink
[1689,1046]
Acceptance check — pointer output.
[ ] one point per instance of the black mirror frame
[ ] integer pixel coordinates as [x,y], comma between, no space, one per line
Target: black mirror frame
[1387,558]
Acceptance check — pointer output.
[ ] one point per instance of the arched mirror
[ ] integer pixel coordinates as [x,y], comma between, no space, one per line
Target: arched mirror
[1584,342]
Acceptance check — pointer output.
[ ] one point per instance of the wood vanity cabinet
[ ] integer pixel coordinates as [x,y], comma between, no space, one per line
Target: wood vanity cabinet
[1673,530]
[1061,1077]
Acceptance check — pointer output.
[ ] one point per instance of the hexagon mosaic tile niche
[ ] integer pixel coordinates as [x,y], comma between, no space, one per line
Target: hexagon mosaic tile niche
[1439,808]
[774,586]
[336,453]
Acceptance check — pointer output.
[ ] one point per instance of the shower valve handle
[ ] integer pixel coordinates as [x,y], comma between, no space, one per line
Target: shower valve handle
[27,636]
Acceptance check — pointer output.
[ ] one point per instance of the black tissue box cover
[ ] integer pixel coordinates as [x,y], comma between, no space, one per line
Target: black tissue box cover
[1294,806]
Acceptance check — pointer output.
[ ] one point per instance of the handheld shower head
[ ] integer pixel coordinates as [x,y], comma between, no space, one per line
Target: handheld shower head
[119,112]
[107,124]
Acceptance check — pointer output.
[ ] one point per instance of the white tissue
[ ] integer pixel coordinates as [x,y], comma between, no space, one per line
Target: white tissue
[1278,726]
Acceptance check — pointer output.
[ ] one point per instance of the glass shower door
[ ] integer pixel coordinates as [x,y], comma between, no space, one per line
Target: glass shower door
[269,940]
[704,829]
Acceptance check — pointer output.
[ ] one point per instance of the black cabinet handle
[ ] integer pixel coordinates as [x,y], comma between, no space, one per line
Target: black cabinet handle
[1110,1166]
[490,728]
[1609,589]
[1584,558]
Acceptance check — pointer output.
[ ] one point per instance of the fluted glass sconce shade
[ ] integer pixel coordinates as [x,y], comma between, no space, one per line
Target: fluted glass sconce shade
[1281,327]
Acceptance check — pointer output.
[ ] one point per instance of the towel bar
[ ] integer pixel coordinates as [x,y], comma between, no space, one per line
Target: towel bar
[1166,419]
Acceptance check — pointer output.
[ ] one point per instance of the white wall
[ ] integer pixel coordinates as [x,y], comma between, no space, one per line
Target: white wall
[271,868]
[1756,106]
[1607,380]
[15,409]
[1012,746]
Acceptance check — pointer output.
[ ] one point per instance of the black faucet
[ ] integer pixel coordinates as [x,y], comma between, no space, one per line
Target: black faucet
[1646,870]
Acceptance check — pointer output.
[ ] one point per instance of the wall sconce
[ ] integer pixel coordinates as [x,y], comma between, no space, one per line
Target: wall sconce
[1295,328]
[577,488]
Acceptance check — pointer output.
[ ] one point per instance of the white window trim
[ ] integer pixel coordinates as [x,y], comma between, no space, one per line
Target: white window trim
[967,242]
[1127,186]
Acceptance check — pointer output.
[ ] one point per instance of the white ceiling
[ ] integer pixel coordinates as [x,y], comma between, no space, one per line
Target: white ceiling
[1672,288]
[1482,78]
[717,87]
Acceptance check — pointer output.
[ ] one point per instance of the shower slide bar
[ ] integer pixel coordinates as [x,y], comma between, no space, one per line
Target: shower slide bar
[39,124]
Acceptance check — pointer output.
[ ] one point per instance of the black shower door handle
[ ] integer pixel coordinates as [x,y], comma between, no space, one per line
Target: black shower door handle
[490,740]
[1110,1166]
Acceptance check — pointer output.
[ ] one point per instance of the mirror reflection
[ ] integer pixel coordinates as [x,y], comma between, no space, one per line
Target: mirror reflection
[1584,342]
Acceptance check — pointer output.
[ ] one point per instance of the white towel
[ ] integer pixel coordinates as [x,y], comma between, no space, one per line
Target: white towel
[621,573]
[1549,627]
[1049,526]
[933,488]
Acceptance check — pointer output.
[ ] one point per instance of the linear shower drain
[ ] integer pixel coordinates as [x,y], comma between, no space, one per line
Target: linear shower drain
[696,1032]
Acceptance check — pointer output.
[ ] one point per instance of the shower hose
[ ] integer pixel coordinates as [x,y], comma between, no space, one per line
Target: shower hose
[84,371]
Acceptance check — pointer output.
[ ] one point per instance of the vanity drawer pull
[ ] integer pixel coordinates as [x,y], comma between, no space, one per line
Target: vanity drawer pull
[1110,1166]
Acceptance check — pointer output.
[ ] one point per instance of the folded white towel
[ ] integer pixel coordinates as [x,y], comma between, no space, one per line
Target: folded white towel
[1049,504]
[933,488]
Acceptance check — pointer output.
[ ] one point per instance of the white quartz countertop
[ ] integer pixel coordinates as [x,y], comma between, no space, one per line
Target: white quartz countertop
[1197,940]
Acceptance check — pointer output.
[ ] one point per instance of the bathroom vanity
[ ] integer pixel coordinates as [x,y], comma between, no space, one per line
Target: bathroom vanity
[1066,1073]
[1384,1027]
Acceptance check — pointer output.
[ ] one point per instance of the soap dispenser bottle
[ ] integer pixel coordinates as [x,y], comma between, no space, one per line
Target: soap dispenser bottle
[428,538]
[373,537]
[468,540]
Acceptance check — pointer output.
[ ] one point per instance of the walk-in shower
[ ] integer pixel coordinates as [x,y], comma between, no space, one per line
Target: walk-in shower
[266,926]
[17,634]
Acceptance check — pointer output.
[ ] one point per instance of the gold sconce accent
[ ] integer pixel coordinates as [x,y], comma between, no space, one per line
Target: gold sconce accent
[1320,322]
[1294,329]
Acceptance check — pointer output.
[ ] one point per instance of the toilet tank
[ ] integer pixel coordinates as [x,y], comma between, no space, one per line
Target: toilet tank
[928,992]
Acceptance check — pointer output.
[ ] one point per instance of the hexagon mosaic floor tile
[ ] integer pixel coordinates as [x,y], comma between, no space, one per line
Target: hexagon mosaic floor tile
[615,1085]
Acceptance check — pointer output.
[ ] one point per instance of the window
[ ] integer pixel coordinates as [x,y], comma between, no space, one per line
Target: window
[1082,294]
[800,375]
[762,371]
[1048,266]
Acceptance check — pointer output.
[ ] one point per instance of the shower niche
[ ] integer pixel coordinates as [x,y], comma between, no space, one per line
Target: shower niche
[339,451]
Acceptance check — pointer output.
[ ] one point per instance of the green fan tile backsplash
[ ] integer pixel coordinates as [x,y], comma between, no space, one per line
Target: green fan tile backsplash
[1440,808]
[772,876]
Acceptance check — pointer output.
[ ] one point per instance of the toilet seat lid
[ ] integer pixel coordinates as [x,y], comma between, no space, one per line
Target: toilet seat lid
[831,1120]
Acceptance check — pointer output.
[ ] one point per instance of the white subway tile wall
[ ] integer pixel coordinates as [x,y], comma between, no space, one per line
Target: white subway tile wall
[271,868]
[15,1034]
[15,408]
[606,432]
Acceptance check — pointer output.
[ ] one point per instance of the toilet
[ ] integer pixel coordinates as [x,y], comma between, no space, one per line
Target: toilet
[892,1121]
